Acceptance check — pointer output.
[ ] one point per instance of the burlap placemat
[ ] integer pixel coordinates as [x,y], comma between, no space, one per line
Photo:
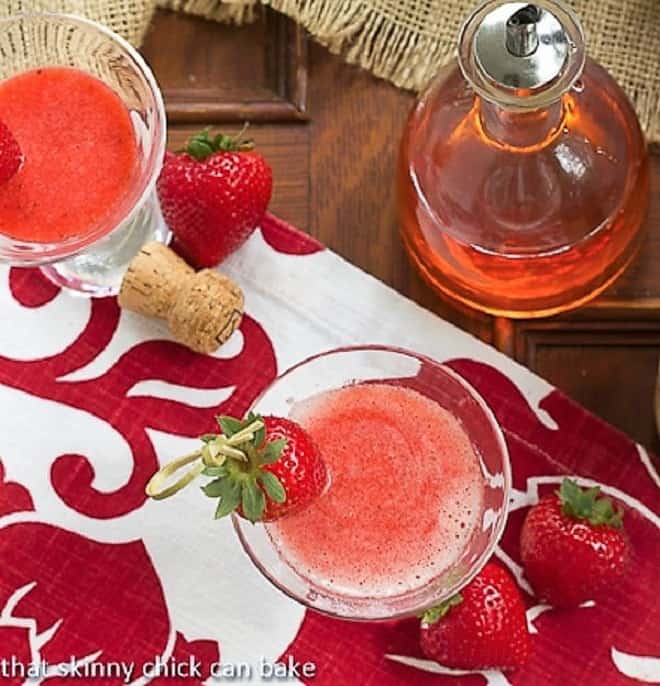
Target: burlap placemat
[130,18]
[405,41]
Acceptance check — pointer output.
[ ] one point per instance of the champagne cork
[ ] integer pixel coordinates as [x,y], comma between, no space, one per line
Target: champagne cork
[202,309]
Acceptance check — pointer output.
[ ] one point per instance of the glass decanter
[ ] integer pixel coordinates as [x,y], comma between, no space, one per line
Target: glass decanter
[523,173]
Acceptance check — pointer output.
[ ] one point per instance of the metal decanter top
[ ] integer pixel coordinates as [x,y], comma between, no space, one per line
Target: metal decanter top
[522,54]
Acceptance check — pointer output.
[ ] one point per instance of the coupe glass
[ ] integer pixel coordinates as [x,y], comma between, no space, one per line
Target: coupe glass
[337,369]
[93,263]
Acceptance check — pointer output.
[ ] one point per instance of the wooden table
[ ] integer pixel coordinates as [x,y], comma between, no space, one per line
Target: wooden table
[331,133]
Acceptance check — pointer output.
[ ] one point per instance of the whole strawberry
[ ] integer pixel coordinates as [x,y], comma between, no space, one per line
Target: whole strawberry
[483,627]
[213,195]
[573,546]
[10,154]
[262,468]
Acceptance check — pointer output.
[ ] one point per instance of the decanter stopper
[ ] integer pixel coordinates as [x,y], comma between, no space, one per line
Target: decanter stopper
[522,54]
[522,38]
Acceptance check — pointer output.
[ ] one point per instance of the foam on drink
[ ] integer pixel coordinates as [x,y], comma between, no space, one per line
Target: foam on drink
[405,496]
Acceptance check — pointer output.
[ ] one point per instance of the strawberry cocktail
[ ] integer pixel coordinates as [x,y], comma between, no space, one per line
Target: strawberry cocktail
[79,154]
[379,464]
[418,485]
[82,111]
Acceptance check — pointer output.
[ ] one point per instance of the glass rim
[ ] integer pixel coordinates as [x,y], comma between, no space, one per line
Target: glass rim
[241,525]
[34,253]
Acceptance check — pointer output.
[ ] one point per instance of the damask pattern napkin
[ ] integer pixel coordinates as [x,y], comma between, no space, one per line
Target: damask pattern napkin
[97,583]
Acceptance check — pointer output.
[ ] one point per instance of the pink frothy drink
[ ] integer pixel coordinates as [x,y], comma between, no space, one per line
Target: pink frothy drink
[419,481]
[406,492]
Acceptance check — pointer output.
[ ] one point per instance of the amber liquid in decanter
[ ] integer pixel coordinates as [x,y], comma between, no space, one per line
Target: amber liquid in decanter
[523,212]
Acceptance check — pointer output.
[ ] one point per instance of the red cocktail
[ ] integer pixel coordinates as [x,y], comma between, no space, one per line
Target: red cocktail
[405,497]
[419,480]
[79,154]
[89,119]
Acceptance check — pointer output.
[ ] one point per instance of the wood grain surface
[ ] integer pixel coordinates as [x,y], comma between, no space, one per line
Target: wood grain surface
[331,132]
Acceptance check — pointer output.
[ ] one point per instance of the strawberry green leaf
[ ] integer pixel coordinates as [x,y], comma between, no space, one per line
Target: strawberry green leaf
[604,513]
[207,438]
[260,434]
[203,135]
[202,145]
[222,142]
[216,488]
[434,614]
[199,149]
[591,493]
[230,498]
[569,490]
[273,486]
[587,503]
[252,501]
[603,507]
[271,453]
[214,471]
[229,425]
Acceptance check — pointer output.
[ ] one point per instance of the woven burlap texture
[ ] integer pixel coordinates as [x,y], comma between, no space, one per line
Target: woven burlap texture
[405,41]
[130,18]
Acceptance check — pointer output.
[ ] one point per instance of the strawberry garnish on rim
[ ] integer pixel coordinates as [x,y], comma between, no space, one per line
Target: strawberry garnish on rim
[11,157]
[262,468]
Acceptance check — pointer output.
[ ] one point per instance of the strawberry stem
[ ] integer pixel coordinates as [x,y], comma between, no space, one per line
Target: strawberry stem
[434,614]
[587,503]
[235,459]
[223,446]
[202,145]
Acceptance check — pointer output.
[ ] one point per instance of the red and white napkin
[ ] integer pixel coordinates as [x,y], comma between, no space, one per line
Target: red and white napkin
[91,398]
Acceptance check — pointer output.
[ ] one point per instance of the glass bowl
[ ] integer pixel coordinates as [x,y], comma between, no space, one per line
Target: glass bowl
[94,262]
[340,368]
